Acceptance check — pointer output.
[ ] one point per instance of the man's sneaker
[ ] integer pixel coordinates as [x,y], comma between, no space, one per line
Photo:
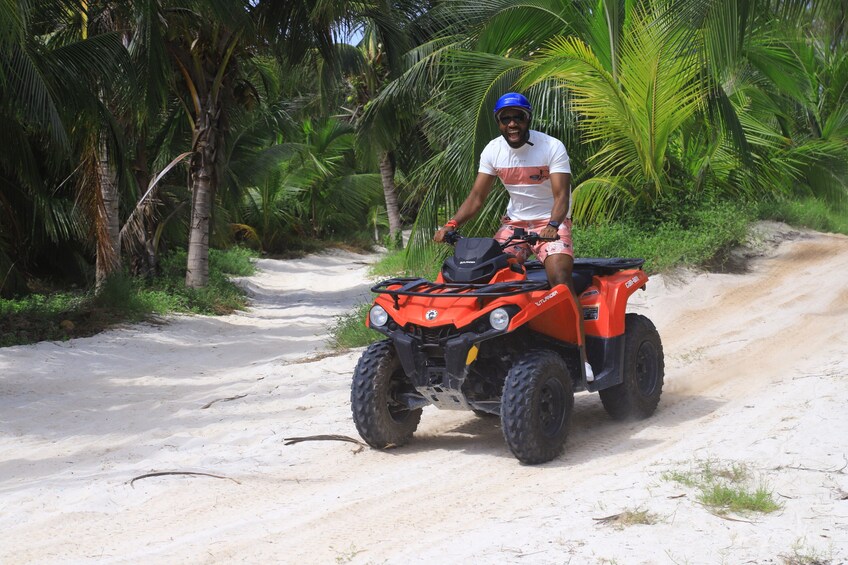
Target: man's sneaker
[590,376]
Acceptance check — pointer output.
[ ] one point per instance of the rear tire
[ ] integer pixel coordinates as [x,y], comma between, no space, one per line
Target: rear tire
[536,406]
[380,417]
[637,397]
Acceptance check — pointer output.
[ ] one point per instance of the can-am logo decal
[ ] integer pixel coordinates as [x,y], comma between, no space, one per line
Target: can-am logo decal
[467,262]
[632,281]
[431,314]
[548,297]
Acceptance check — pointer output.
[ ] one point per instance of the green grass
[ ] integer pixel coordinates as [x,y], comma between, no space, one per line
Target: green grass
[701,237]
[123,299]
[811,213]
[738,499]
[726,487]
[350,330]
[804,555]
[392,264]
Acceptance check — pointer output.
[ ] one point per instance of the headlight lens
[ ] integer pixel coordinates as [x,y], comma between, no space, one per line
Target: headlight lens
[378,316]
[499,318]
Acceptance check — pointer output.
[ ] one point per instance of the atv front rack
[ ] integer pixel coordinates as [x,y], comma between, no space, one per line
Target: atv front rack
[422,287]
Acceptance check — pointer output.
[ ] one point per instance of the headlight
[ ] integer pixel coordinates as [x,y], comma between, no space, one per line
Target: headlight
[498,318]
[378,316]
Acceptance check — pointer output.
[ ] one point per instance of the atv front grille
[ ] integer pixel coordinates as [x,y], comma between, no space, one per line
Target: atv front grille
[431,336]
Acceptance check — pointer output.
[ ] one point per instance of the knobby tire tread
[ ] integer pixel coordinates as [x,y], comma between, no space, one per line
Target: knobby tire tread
[520,414]
[369,399]
[625,401]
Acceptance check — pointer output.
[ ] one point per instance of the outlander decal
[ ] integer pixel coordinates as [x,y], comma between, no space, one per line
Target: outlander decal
[548,297]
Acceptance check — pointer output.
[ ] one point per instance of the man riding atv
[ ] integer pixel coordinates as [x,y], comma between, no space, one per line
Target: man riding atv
[502,336]
[536,172]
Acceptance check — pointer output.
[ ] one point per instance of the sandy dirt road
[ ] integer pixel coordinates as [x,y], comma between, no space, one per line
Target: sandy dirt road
[756,376]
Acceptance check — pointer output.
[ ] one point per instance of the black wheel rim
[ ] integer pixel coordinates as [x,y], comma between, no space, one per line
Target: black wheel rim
[646,368]
[552,407]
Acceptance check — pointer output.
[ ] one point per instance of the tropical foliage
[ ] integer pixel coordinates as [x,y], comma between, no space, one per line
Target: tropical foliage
[139,129]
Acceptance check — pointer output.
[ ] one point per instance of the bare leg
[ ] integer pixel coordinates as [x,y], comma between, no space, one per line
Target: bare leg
[558,268]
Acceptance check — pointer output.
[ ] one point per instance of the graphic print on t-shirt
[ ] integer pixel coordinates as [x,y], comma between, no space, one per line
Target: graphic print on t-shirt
[524,175]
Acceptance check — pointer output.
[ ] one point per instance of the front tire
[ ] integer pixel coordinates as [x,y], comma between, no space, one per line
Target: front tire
[536,406]
[638,396]
[381,417]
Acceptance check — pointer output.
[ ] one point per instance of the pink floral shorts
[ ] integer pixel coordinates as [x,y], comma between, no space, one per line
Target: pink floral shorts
[541,250]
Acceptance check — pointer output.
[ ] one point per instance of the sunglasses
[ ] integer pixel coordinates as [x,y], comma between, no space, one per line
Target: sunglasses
[517,118]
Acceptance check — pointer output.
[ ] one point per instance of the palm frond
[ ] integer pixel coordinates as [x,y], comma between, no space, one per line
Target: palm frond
[27,87]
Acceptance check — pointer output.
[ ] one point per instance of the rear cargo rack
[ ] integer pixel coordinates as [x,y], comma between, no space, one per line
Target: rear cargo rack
[422,287]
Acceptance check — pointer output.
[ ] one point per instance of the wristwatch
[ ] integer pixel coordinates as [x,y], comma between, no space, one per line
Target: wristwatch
[554,224]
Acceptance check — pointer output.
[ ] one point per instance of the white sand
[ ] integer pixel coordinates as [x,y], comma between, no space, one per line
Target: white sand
[756,375]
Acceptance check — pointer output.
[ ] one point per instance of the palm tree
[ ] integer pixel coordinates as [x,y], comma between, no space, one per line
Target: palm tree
[51,75]
[773,82]
[210,63]
[259,183]
[388,34]
[204,51]
[309,185]
[633,110]
[334,194]
[389,29]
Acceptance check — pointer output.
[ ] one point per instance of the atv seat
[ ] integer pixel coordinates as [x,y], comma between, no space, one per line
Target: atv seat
[584,270]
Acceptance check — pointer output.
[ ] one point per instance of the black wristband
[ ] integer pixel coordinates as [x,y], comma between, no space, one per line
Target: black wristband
[554,224]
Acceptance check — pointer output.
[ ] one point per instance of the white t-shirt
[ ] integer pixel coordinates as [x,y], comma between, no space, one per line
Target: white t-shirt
[526,173]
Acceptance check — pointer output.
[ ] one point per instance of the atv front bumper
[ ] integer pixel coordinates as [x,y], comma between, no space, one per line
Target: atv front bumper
[437,361]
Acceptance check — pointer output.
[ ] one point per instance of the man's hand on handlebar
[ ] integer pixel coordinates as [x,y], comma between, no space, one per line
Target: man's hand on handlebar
[521,236]
[548,233]
[441,235]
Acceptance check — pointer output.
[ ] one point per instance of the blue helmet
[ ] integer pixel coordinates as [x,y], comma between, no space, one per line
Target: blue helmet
[513,100]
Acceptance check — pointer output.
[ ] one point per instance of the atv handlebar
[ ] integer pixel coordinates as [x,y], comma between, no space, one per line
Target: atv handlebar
[521,236]
[518,235]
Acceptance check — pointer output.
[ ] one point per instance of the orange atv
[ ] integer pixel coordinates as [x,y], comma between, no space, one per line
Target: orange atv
[491,335]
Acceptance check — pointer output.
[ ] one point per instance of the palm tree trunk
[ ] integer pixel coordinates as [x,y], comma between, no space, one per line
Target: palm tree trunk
[387,174]
[314,217]
[145,254]
[203,184]
[108,258]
